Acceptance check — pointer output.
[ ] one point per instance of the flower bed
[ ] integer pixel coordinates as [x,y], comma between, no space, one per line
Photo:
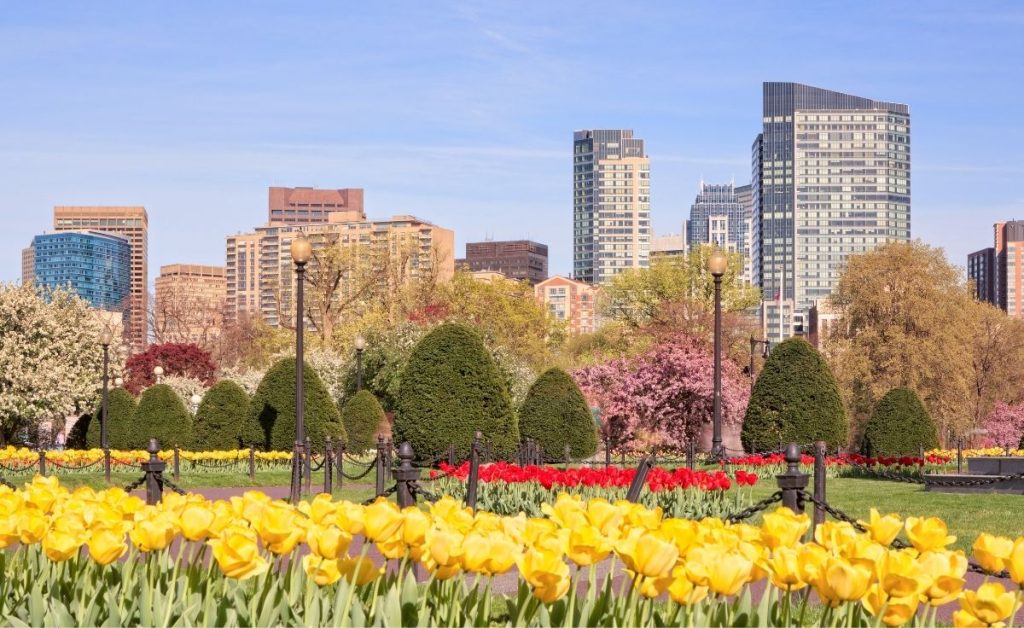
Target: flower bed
[26,460]
[770,465]
[91,558]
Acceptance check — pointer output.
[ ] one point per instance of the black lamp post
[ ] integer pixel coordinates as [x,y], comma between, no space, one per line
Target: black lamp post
[753,347]
[717,264]
[105,338]
[360,345]
[301,251]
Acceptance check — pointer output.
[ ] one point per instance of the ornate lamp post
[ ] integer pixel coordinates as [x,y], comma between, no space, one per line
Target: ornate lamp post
[360,345]
[301,251]
[717,264]
[105,338]
[158,372]
[753,347]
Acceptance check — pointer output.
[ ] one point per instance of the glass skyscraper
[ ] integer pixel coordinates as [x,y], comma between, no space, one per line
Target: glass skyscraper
[611,204]
[97,266]
[719,216]
[832,179]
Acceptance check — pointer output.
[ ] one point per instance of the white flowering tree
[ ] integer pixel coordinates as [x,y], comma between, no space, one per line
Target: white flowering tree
[50,357]
[248,379]
[185,387]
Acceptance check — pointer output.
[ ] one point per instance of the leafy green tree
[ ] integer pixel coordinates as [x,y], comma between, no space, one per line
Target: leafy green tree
[900,425]
[222,418]
[160,415]
[450,389]
[795,399]
[362,416]
[272,416]
[121,407]
[555,413]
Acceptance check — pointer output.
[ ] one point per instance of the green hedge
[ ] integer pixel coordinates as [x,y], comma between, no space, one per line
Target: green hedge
[160,415]
[795,399]
[900,425]
[121,407]
[362,416]
[222,417]
[450,389]
[272,416]
[555,413]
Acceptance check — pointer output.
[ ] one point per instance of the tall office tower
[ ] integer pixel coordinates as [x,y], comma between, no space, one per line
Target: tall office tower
[299,206]
[242,277]
[516,259]
[834,181]
[189,304]
[611,204]
[998,271]
[133,224]
[28,265]
[981,270]
[96,265]
[745,197]
[718,217]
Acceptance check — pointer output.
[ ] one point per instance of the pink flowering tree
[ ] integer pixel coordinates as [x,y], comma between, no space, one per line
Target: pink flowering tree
[1005,425]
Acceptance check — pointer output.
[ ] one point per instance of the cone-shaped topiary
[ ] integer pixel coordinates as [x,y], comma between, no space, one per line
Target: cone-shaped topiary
[900,425]
[78,434]
[555,413]
[362,416]
[450,389]
[121,408]
[272,416]
[795,399]
[222,418]
[160,415]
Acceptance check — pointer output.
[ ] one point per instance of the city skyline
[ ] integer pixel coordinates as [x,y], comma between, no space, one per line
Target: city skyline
[466,124]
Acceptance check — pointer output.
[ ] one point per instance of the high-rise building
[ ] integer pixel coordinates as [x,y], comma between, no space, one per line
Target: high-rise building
[981,270]
[242,277]
[669,245]
[718,217]
[28,265]
[572,301]
[96,265]
[190,301]
[998,271]
[299,206]
[832,180]
[745,197]
[611,204]
[516,259]
[133,224]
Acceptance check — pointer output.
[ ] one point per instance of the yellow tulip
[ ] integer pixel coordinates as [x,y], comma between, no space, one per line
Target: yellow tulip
[359,571]
[238,554]
[928,534]
[393,547]
[8,531]
[992,552]
[537,528]
[587,546]
[31,526]
[196,522]
[106,545]
[783,528]
[903,575]
[835,535]
[784,569]
[350,517]
[605,517]
[414,530]
[1015,563]
[60,545]
[683,533]
[383,520]
[250,505]
[154,532]
[682,590]
[476,549]
[567,512]
[647,554]
[895,611]
[504,553]
[639,516]
[280,528]
[328,541]
[320,509]
[722,570]
[445,547]
[883,530]
[323,571]
[453,513]
[991,603]
[43,492]
[843,580]
[546,573]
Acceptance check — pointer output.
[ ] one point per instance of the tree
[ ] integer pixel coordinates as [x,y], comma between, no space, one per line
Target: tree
[120,415]
[222,418]
[363,417]
[50,358]
[185,314]
[450,389]
[272,416]
[160,415]
[997,359]
[1005,425]
[188,360]
[900,425]
[556,414]
[795,399]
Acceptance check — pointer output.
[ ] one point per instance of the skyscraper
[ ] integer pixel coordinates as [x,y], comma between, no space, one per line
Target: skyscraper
[998,271]
[832,180]
[299,206]
[133,224]
[981,270]
[95,265]
[516,259]
[718,217]
[611,204]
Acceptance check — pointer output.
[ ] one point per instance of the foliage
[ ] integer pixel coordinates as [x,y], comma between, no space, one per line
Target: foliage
[185,387]
[900,425]
[160,415]
[362,416]
[1005,425]
[450,389]
[996,368]
[555,414]
[795,399]
[272,417]
[222,417]
[121,408]
[50,357]
[175,358]
[248,378]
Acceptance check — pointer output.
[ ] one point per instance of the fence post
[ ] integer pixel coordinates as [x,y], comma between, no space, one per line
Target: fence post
[380,465]
[474,472]
[607,453]
[690,455]
[568,455]
[405,475]
[341,463]
[308,467]
[252,464]
[792,482]
[637,485]
[42,461]
[328,466]
[819,484]
[177,470]
[106,464]
[154,470]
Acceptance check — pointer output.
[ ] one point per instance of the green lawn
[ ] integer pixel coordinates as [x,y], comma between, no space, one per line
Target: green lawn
[967,515]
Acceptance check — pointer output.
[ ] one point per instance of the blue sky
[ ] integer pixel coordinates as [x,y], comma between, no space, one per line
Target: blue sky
[462,113]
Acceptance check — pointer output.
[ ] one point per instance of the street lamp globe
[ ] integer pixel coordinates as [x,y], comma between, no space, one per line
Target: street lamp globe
[158,371]
[106,337]
[302,250]
[196,400]
[360,343]
[119,382]
[718,262]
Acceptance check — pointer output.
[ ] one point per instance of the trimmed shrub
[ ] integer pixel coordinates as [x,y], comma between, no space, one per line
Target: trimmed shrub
[160,415]
[362,416]
[900,425]
[450,389]
[222,418]
[272,416]
[795,399]
[121,408]
[555,413]
[78,434]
